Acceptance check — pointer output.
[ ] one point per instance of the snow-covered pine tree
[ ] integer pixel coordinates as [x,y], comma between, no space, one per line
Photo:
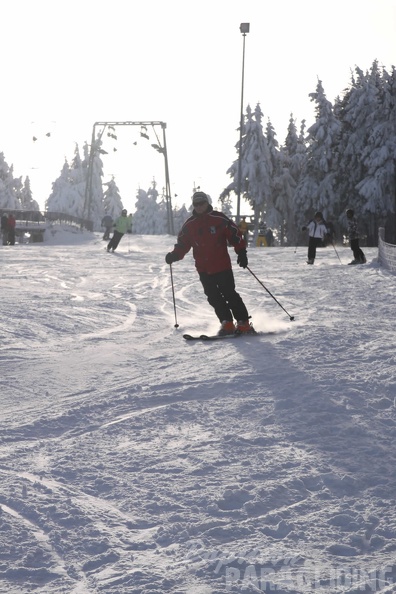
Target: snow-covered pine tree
[378,187]
[226,203]
[292,158]
[18,185]
[8,186]
[27,201]
[286,186]
[256,166]
[150,218]
[77,180]
[316,190]
[295,147]
[58,200]
[179,217]
[96,211]
[160,223]
[276,207]
[112,203]
[67,194]
[355,112]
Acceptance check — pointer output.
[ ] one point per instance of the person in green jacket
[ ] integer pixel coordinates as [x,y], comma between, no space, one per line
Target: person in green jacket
[122,225]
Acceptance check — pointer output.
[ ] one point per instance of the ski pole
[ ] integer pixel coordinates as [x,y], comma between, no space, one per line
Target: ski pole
[269,293]
[296,248]
[336,252]
[173,295]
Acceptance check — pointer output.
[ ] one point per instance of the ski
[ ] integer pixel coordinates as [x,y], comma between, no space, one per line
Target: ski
[219,337]
[209,337]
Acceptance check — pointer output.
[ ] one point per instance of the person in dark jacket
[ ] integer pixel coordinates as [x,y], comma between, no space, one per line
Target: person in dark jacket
[4,228]
[11,229]
[209,232]
[107,223]
[353,234]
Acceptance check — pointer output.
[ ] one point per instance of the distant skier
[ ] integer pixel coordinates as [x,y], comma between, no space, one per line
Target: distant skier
[353,234]
[121,225]
[209,232]
[107,223]
[11,229]
[4,228]
[269,236]
[261,240]
[317,231]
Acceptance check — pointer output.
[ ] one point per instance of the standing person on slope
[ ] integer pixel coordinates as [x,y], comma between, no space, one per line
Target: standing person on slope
[317,231]
[208,232]
[122,225]
[11,229]
[107,223]
[353,234]
[4,228]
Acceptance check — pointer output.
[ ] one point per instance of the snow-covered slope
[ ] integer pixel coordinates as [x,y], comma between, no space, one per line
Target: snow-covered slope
[132,461]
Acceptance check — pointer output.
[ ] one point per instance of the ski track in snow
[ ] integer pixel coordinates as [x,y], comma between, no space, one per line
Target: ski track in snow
[132,461]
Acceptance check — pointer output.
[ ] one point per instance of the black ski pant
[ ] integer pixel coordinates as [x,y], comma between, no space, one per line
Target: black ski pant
[313,243]
[357,252]
[114,241]
[106,234]
[219,288]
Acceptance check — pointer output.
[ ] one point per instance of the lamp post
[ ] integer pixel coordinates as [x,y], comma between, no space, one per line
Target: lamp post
[244,28]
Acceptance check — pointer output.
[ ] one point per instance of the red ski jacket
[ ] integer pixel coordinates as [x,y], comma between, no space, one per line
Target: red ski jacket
[209,235]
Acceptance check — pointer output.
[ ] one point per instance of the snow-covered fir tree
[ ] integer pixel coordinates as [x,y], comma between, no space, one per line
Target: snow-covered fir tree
[180,215]
[355,112]
[112,203]
[74,193]
[292,159]
[276,207]
[18,185]
[67,196]
[150,217]
[8,186]
[226,204]
[316,190]
[93,203]
[58,200]
[77,178]
[366,149]
[256,166]
[378,188]
[295,148]
[27,201]
[285,188]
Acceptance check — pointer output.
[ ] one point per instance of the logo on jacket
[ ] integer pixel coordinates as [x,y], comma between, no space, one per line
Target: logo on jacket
[212,230]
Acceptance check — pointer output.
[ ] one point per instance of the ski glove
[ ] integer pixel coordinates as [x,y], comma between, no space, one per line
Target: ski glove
[242,259]
[171,257]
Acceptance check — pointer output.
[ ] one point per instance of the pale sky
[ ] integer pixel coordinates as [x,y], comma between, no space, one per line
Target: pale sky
[67,66]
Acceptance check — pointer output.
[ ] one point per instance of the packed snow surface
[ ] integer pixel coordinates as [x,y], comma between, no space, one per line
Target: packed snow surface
[132,461]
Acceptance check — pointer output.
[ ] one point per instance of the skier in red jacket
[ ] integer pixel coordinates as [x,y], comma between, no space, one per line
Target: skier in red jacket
[209,232]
